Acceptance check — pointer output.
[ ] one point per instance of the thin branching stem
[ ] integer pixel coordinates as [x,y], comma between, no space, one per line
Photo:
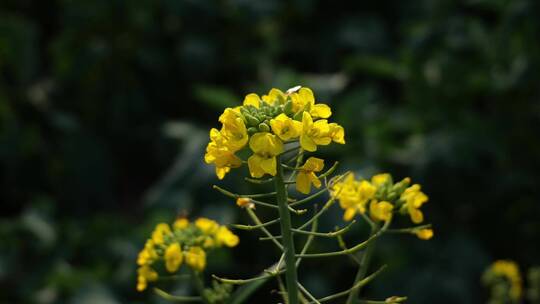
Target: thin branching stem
[253,227]
[234,195]
[257,221]
[179,299]
[308,294]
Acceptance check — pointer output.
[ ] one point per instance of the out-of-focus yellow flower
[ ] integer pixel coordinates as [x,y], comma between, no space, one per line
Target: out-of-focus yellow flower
[244,202]
[285,127]
[219,153]
[414,199]
[159,233]
[381,179]
[306,175]
[510,270]
[314,133]
[304,100]
[181,223]
[173,257]
[145,274]
[148,254]
[196,258]
[225,236]
[207,225]
[380,211]
[353,195]
[234,129]
[424,234]
[266,147]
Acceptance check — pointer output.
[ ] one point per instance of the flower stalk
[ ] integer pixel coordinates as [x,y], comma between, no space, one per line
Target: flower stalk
[291,277]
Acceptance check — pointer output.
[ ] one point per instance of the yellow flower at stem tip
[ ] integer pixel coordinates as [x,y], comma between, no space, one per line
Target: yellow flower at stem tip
[253,100]
[196,258]
[159,232]
[173,257]
[234,130]
[380,211]
[275,96]
[145,274]
[219,153]
[304,100]
[510,270]
[414,199]
[244,202]
[353,195]
[225,236]
[207,225]
[381,179]
[266,147]
[285,127]
[181,223]
[424,234]
[306,175]
[314,133]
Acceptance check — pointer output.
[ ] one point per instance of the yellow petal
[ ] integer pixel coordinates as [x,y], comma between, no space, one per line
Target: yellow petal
[349,214]
[252,100]
[269,165]
[416,216]
[303,184]
[424,234]
[321,110]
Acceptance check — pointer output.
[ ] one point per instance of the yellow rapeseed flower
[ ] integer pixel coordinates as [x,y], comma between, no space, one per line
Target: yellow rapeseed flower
[196,258]
[234,129]
[414,199]
[148,254]
[306,175]
[304,100]
[145,274]
[181,223]
[266,147]
[275,96]
[380,179]
[173,257]
[510,270]
[424,234]
[337,133]
[353,195]
[207,225]
[380,211]
[244,202]
[220,154]
[225,236]
[285,127]
[314,133]
[160,231]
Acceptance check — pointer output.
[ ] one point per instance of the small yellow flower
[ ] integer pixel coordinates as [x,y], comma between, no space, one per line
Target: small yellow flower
[424,234]
[244,202]
[252,100]
[275,96]
[414,199]
[145,274]
[285,127]
[196,258]
[314,133]
[353,195]
[148,254]
[220,154]
[234,129]
[306,175]
[381,179]
[304,100]
[181,223]
[207,225]
[337,133]
[160,231]
[225,236]
[510,270]
[266,147]
[173,257]
[380,211]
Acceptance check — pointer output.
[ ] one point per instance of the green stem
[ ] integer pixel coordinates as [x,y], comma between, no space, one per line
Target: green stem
[291,277]
[199,285]
[363,268]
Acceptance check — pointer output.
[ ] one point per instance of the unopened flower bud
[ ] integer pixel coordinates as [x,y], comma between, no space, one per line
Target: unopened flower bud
[264,127]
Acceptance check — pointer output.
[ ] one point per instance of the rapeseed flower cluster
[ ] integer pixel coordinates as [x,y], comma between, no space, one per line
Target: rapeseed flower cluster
[184,242]
[381,198]
[265,125]
[505,279]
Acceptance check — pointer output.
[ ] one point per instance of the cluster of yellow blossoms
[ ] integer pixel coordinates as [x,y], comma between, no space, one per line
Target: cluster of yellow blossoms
[170,247]
[384,197]
[265,124]
[505,275]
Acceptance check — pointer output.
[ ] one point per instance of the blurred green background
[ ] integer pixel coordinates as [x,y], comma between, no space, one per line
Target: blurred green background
[105,107]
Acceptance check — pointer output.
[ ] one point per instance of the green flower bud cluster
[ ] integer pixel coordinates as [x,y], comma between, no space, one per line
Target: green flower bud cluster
[219,293]
[258,119]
